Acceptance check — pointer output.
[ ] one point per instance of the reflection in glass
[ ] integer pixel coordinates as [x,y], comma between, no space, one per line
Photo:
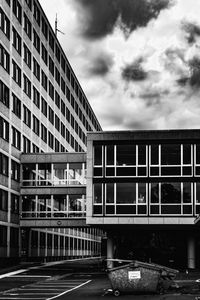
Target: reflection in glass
[29,174]
[97,193]
[126,192]
[76,174]
[187,192]
[141,192]
[44,174]
[60,173]
[171,192]
[126,155]
[154,192]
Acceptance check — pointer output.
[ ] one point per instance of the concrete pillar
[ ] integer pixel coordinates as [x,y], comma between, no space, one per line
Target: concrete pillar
[191,252]
[110,252]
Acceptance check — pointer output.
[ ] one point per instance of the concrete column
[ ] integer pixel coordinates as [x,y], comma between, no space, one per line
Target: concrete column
[191,252]
[110,252]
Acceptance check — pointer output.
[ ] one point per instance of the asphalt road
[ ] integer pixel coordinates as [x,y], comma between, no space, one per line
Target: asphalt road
[81,279]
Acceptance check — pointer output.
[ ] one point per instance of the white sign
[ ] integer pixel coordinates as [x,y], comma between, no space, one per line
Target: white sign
[134,275]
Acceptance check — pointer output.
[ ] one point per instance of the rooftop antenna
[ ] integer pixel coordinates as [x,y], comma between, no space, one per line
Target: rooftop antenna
[56,27]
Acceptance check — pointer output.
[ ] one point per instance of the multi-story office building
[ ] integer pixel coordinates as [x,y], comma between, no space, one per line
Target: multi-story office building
[143,188]
[42,105]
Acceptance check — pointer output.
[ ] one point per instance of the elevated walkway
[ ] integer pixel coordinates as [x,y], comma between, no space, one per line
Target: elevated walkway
[54,223]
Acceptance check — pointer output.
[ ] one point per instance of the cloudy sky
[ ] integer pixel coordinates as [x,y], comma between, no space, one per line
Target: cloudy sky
[138,61]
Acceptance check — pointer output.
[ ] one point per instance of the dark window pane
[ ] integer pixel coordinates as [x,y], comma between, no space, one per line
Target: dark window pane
[141,192]
[187,154]
[97,210]
[154,193]
[98,155]
[197,209]
[170,171]
[126,209]
[154,171]
[187,171]
[110,155]
[187,192]
[97,172]
[110,171]
[141,154]
[171,192]
[171,209]
[154,154]
[110,192]
[110,209]
[197,170]
[198,153]
[171,154]
[97,193]
[126,192]
[154,209]
[126,155]
[187,209]
[126,171]
[142,209]
[197,192]
[142,171]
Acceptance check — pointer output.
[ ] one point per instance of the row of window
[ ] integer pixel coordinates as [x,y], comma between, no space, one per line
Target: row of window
[17,44]
[4,167]
[4,202]
[165,198]
[131,160]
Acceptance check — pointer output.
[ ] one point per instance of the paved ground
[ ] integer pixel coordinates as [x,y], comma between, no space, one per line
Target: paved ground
[81,279]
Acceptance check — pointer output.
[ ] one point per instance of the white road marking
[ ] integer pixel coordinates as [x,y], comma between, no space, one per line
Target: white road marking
[30,276]
[11,273]
[76,287]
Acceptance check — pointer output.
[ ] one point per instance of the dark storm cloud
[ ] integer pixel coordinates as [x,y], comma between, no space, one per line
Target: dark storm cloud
[193,79]
[99,17]
[134,71]
[192,31]
[101,65]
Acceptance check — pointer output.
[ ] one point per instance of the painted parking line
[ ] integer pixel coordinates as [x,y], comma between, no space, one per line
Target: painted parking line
[12,273]
[44,290]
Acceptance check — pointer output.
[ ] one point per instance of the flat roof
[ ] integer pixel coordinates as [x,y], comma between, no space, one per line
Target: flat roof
[167,134]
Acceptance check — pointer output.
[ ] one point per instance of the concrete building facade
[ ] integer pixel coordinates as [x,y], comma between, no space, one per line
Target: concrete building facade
[143,189]
[42,105]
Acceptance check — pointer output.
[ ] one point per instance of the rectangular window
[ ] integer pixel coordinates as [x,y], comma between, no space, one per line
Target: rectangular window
[3,235]
[51,115]
[44,80]
[17,10]
[36,69]
[44,55]
[26,145]
[51,41]
[50,140]
[126,155]
[36,126]
[27,86]
[4,59]
[3,203]
[4,129]
[17,74]
[57,122]
[16,138]
[35,148]
[4,23]
[36,13]
[126,193]
[44,107]
[36,41]
[4,164]
[27,116]
[36,97]
[44,133]
[57,145]
[15,168]
[57,99]
[63,85]
[62,130]
[44,28]
[4,94]
[57,76]
[63,63]
[170,154]
[58,53]
[16,106]
[27,56]
[51,90]
[17,41]
[51,66]
[14,204]
[27,26]
[63,107]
